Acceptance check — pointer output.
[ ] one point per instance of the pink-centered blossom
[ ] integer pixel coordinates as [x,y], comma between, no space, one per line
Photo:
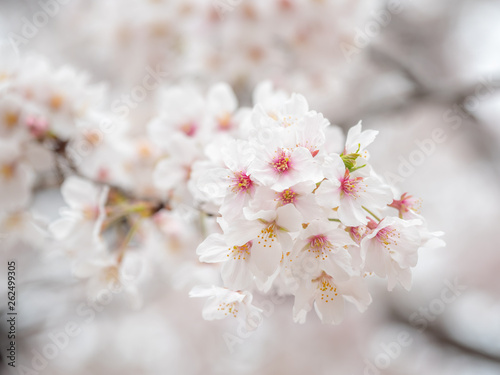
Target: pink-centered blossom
[323,246]
[351,193]
[280,167]
[391,249]
[328,298]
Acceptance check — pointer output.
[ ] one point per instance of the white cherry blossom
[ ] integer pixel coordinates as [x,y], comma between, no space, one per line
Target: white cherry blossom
[223,303]
[351,193]
[323,246]
[328,298]
[391,249]
[280,167]
[80,224]
[237,261]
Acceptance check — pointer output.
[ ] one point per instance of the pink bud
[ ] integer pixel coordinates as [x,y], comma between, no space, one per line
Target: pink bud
[36,126]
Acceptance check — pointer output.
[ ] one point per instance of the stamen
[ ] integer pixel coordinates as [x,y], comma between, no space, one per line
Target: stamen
[286,196]
[320,246]
[11,119]
[281,163]
[389,237]
[326,287]
[352,186]
[56,101]
[7,171]
[241,182]
[225,122]
[228,308]
[267,235]
[240,252]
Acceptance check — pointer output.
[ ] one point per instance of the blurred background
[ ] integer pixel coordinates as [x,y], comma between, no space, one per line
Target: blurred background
[426,74]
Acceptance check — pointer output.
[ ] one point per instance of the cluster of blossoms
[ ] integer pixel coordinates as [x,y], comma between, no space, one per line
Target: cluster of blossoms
[40,111]
[280,200]
[302,216]
[296,43]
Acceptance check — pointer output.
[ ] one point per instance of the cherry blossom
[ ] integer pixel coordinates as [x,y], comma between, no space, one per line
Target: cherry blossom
[328,296]
[280,167]
[16,176]
[222,303]
[351,193]
[237,260]
[357,141]
[299,195]
[80,224]
[323,246]
[271,197]
[269,231]
[390,250]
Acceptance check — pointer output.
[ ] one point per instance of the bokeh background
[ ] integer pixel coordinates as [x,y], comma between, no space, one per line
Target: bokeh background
[426,74]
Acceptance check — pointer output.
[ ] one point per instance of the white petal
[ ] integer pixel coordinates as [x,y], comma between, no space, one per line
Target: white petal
[350,213]
[239,232]
[338,265]
[221,99]
[289,218]
[168,174]
[62,227]
[303,302]
[328,194]
[356,292]
[213,249]
[374,257]
[331,312]
[79,193]
[266,255]
[236,274]
[334,167]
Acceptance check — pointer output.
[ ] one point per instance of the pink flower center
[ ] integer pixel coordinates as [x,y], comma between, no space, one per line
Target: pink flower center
[281,163]
[406,204]
[241,252]
[189,128]
[318,241]
[388,237]
[358,233]
[372,224]
[352,186]
[287,196]
[103,174]
[241,182]
[320,245]
[37,127]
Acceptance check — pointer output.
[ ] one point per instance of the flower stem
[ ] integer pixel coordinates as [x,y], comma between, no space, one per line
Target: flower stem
[337,220]
[371,213]
[126,241]
[120,211]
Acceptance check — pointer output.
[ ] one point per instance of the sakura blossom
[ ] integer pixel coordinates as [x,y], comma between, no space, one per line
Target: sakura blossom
[80,223]
[222,303]
[213,187]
